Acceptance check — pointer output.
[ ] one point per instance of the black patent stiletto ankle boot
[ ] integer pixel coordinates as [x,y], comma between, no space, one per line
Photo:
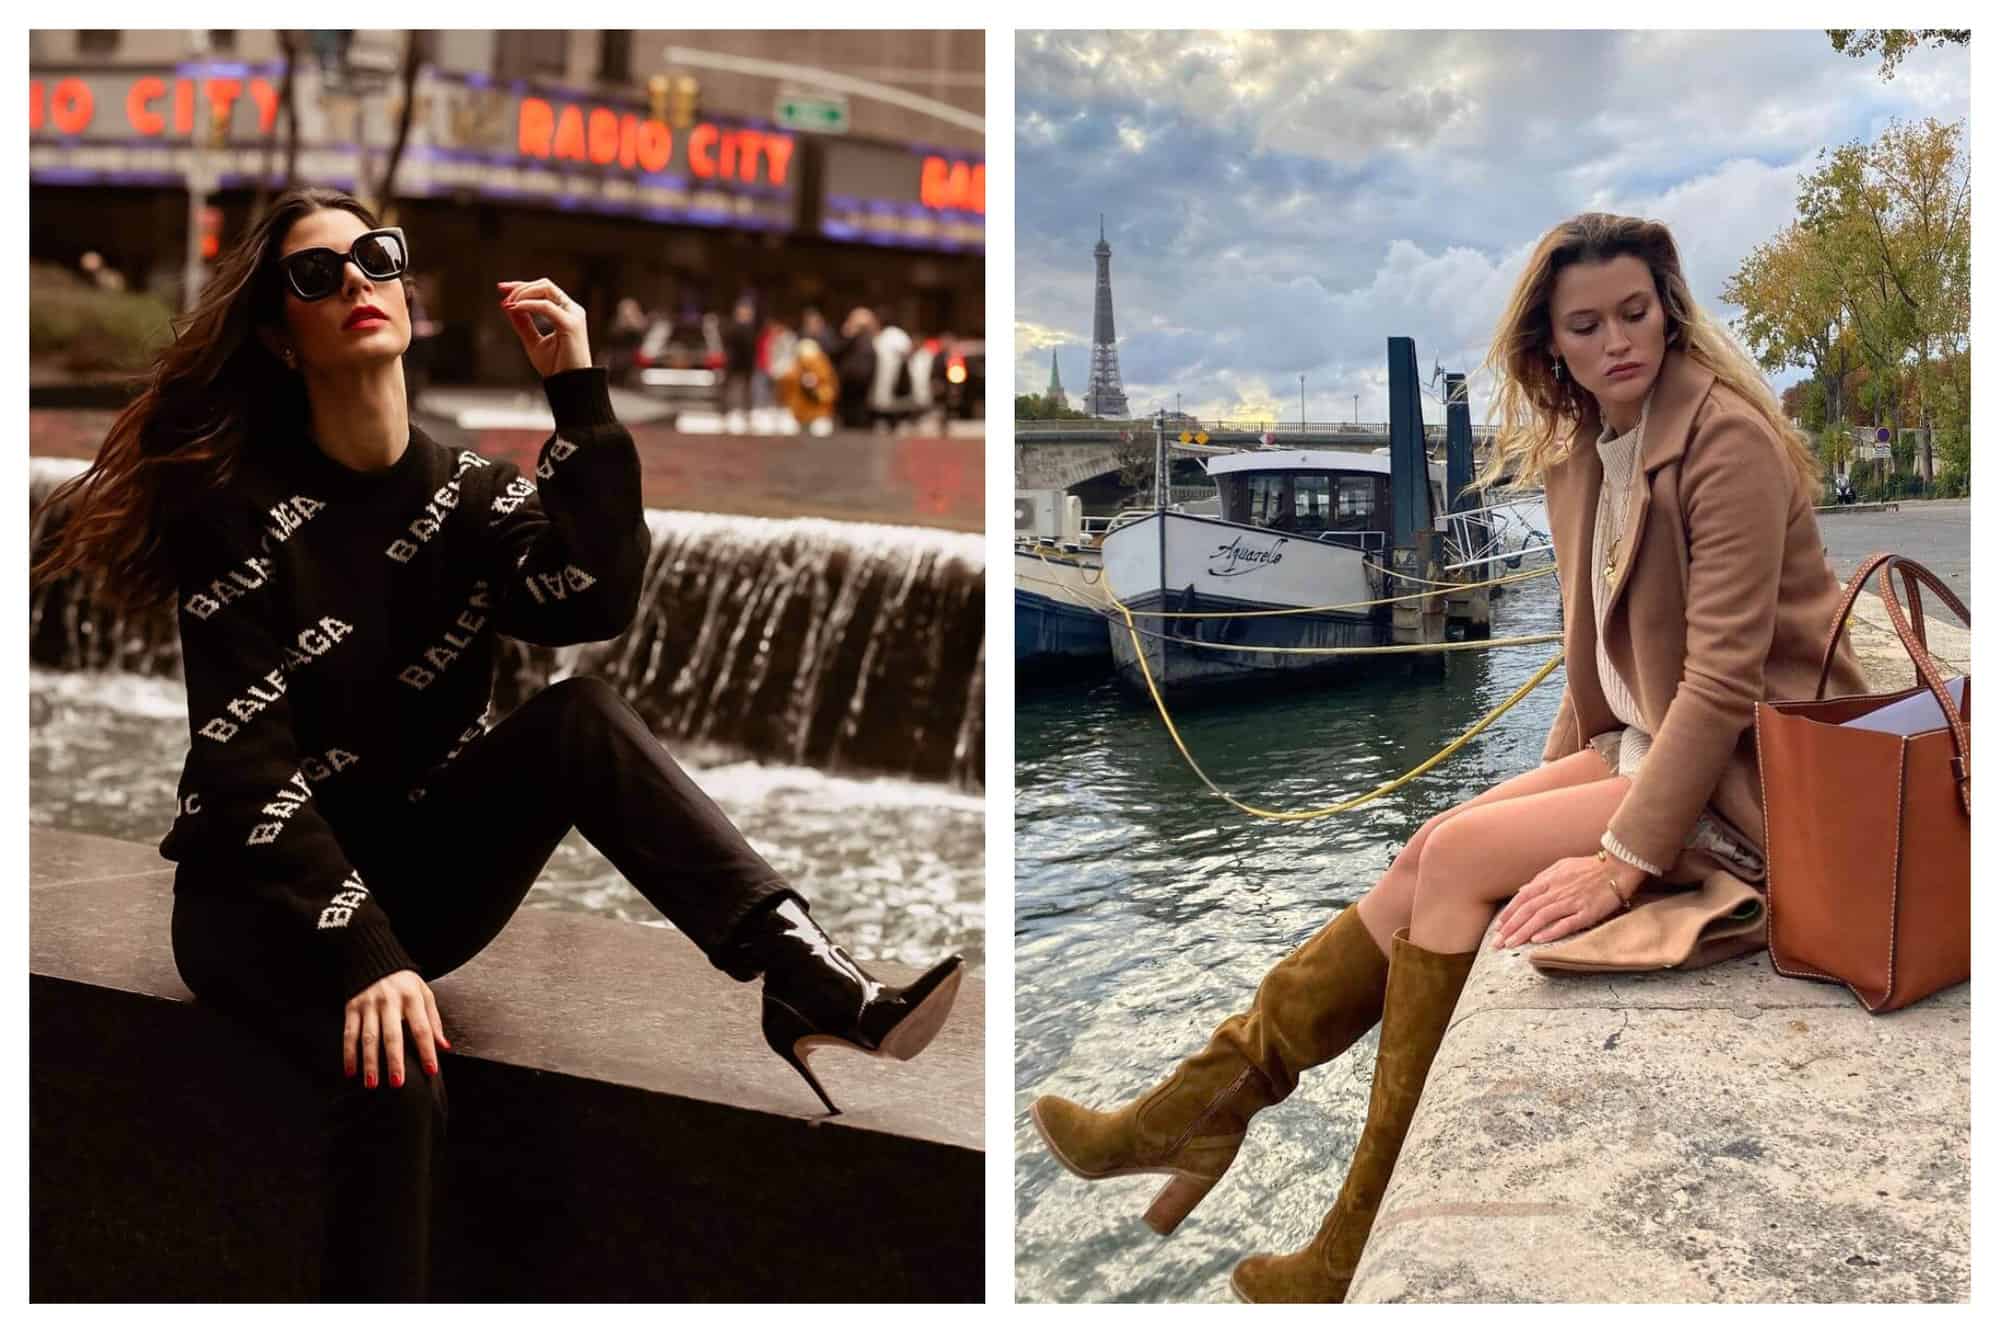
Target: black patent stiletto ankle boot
[815,995]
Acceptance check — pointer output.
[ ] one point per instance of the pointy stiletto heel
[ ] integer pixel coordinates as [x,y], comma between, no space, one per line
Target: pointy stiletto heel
[786,1030]
[1175,1201]
[815,994]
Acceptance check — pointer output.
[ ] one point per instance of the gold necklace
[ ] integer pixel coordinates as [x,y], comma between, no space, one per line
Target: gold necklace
[1617,533]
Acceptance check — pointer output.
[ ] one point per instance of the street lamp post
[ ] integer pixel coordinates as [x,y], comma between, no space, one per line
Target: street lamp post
[1302,406]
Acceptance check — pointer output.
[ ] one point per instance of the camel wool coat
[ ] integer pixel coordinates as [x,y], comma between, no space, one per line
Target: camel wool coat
[1724,596]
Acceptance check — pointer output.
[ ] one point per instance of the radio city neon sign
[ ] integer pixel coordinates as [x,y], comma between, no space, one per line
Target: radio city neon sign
[603,136]
[69,105]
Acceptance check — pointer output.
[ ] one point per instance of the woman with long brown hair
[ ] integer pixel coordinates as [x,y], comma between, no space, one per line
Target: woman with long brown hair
[1694,584]
[350,826]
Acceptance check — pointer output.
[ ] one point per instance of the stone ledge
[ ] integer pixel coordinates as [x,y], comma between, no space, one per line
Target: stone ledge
[619,1130]
[1726,1134]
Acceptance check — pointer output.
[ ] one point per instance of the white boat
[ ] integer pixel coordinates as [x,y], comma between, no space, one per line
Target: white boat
[1059,598]
[1296,529]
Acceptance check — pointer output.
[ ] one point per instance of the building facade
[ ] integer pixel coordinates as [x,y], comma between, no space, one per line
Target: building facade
[683,170]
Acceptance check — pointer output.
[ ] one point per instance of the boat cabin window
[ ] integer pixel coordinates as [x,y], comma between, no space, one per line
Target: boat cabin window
[1307,502]
[1357,505]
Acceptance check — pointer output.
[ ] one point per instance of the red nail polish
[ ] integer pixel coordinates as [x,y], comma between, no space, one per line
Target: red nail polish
[395,1080]
[430,1069]
[371,1080]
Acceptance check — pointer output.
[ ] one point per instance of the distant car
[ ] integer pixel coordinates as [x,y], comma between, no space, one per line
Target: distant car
[680,363]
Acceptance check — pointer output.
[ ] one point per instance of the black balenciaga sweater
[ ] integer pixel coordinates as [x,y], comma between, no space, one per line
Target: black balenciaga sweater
[337,635]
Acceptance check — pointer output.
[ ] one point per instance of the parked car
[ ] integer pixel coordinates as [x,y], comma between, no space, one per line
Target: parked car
[680,362]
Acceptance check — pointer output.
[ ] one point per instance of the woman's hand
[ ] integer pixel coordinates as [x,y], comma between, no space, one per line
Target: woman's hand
[1573,894]
[568,346]
[375,1019]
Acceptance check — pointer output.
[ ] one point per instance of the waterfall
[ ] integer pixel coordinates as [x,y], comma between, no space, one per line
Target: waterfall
[849,647]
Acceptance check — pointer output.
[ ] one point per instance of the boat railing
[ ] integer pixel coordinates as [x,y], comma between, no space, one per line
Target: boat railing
[1358,541]
[1492,534]
[1119,519]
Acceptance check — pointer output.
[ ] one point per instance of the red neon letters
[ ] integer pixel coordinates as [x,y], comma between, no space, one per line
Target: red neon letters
[955,185]
[70,107]
[603,136]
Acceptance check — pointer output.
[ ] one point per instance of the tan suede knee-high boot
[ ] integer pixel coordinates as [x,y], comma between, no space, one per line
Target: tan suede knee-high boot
[1423,992]
[1309,1008]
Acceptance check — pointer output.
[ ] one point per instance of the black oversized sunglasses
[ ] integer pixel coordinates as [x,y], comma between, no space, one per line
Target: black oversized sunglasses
[315,274]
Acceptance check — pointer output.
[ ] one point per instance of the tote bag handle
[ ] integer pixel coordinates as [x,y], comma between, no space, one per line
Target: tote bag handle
[1915,644]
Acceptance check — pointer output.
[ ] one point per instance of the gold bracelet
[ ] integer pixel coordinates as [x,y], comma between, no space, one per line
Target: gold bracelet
[1624,903]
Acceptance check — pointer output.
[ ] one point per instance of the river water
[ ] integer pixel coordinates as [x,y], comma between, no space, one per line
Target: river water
[894,868]
[1146,911]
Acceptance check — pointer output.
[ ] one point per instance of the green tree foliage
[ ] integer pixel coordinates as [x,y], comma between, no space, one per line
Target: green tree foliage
[74,325]
[1036,407]
[1869,288]
[1893,43]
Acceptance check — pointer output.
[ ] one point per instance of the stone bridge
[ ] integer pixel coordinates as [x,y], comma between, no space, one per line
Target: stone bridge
[1061,454]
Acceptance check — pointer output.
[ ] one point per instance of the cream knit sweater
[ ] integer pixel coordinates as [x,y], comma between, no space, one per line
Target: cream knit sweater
[1619,454]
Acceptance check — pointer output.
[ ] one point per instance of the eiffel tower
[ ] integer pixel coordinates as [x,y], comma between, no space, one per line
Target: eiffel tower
[1106,395]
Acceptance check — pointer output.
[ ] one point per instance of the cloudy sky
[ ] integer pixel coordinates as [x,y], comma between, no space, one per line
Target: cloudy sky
[1279,204]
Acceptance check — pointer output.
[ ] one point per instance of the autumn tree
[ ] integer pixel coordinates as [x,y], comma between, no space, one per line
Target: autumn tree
[1893,43]
[1893,220]
[1790,292]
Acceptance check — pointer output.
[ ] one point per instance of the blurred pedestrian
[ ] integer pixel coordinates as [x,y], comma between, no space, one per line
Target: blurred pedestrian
[890,396]
[855,361]
[101,275]
[419,361]
[622,339]
[739,362]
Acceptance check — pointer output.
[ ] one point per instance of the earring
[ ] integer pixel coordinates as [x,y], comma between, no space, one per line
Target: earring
[1559,368]
[289,358]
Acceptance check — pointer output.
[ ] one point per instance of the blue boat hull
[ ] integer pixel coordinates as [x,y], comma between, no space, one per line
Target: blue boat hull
[1049,632]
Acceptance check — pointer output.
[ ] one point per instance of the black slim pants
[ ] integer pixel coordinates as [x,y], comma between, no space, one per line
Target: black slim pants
[449,873]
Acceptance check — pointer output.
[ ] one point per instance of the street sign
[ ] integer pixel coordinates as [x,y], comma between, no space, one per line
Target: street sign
[1187,437]
[814,113]
[1882,451]
[1270,437]
[1201,437]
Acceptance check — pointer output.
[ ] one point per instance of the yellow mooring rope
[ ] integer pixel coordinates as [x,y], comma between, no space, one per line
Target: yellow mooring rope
[1300,816]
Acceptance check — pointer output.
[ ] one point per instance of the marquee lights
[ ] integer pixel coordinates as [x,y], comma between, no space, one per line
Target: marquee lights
[69,107]
[954,185]
[604,136]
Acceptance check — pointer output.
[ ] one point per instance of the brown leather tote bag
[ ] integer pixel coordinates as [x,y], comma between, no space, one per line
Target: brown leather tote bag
[1869,832]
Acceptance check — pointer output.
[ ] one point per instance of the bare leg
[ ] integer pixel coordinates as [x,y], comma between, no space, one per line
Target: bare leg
[1481,857]
[1387,908]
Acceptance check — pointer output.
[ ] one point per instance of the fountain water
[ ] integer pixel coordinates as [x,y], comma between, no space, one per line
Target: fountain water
[855,648]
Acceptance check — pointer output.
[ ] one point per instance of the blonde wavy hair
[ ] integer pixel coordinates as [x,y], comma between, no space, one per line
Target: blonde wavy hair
[1537,414]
